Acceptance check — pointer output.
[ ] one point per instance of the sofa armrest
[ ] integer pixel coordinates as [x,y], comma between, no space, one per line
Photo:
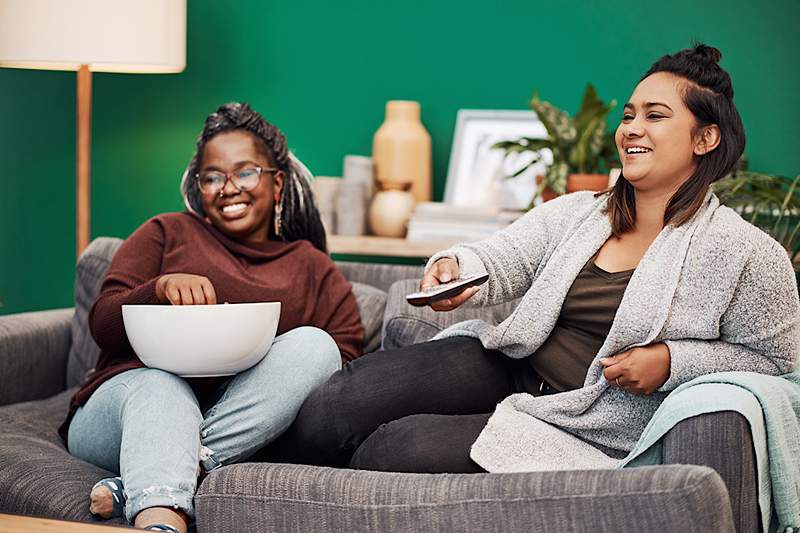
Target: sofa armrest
[280,497]
[722,441]
[33,354]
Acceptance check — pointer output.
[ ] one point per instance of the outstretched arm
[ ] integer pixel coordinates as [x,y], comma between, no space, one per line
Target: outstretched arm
[511,256]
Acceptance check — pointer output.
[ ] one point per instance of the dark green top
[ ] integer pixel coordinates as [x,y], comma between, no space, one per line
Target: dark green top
[582,326]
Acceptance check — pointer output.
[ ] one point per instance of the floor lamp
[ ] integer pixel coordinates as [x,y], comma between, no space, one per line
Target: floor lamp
[131,36]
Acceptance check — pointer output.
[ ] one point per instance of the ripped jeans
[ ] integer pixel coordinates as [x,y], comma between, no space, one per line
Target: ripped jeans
[147,424]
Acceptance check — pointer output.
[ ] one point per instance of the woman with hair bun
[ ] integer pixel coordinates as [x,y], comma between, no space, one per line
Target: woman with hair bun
[251,233]
[625,295]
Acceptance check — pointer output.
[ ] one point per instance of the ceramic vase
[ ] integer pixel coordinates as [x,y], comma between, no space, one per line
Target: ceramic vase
[360,168]
[351,208]
[326,189]
[391,209]
[401,150]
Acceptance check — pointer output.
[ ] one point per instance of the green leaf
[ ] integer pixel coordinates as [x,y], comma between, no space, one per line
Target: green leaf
[589,107]
[770,202]
[595,145]
[523,169]
[584,156]
[559,178]
[557,123]
[524,144]
[556,178]
[590,98]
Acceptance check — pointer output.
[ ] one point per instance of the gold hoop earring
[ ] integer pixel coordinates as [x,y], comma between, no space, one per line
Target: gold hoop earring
[277,219]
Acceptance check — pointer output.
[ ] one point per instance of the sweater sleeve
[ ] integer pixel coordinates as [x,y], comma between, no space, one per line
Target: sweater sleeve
[131,279]
[759,331]
[337,311]
[512,255]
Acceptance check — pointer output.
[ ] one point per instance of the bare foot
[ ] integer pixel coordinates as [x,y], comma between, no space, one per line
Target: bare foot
[162,515]
[101,501]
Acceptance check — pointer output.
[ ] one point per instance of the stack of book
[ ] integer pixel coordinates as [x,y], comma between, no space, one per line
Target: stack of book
[435,221]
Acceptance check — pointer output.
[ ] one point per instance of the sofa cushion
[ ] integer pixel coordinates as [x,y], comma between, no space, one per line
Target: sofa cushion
[279,497]
[380,275]
[405,324]
[38,476]
[89,273]
[371,303]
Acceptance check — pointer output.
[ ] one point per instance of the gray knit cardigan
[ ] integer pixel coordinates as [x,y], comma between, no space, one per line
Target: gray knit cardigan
[718,291]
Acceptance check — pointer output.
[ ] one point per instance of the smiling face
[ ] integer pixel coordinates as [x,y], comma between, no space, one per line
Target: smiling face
[245,216]
[655,139]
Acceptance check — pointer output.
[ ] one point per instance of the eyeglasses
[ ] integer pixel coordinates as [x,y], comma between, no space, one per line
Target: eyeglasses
[244,179]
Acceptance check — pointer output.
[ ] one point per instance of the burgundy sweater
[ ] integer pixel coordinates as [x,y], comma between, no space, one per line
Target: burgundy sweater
[311,290]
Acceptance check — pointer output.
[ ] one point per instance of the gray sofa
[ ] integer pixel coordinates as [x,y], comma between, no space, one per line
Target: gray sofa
[45,355]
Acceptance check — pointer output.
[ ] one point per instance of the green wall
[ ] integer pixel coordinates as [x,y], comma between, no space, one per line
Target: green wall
[323,71]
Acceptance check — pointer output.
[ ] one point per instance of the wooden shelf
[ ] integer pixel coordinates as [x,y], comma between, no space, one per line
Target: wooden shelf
[384,246]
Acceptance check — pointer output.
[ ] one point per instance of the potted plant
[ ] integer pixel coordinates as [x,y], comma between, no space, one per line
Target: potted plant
[583,150]
[770,202]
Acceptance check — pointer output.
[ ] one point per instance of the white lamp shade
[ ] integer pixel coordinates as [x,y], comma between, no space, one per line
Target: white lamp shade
[137,36]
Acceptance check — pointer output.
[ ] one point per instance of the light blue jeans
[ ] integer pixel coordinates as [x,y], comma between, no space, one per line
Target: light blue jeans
[147,425]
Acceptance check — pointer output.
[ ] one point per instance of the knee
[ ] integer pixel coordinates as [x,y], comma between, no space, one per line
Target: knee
[319,354]
[155,379]
[393,447]
[159,386]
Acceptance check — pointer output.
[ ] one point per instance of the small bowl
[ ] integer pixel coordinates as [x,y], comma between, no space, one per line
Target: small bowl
[201,340]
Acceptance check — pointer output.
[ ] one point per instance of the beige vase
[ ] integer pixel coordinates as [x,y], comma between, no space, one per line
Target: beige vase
[401,150]
[391,210]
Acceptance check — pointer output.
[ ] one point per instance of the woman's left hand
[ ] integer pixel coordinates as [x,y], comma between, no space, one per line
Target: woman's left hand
[640,370]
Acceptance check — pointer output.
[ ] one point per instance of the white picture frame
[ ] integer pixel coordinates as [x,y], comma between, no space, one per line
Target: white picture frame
[478,175]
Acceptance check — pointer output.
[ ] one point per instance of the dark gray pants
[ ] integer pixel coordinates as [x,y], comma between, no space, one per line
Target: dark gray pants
[414,409]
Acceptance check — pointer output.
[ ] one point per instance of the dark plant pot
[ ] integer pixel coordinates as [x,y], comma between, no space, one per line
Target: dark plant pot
[587,182]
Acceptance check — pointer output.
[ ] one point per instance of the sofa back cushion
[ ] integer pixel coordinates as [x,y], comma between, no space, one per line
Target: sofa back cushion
[404,324]
[91,269]
[89,273]
[380,275]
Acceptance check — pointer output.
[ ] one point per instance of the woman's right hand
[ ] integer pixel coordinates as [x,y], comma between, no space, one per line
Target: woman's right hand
[185,289]
[443,271]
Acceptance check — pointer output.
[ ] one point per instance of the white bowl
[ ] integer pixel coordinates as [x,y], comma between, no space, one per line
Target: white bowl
[201,340]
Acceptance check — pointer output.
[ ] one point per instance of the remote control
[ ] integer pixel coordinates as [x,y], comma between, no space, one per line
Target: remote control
[445,290]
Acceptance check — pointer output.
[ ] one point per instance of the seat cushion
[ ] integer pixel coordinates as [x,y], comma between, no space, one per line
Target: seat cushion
[405,324]
[38,476]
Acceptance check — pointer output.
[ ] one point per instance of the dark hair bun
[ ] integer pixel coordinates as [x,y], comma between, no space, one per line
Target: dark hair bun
[707,54]
[699,64]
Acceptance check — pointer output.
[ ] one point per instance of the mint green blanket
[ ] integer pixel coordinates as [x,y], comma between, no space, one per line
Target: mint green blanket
[771,405]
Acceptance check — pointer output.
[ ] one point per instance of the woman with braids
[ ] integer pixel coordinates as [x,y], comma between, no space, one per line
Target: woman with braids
[626,294]
[251,233]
